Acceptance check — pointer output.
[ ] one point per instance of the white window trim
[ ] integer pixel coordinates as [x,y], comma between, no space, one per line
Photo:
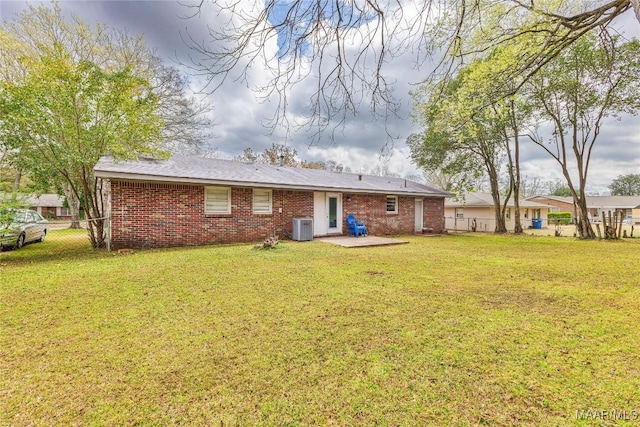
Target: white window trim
[386,200]
[262,212]
[217,212]
[459,213]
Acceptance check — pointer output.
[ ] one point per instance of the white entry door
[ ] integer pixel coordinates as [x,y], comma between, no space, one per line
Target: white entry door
[419,223]
[327,213]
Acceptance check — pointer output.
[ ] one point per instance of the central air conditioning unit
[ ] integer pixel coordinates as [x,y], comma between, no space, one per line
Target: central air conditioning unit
[302,229]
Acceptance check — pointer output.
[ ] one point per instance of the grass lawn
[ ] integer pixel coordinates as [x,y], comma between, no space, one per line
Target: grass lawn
[447,331]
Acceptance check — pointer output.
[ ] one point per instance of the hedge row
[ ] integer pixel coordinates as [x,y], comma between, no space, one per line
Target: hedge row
[562,218]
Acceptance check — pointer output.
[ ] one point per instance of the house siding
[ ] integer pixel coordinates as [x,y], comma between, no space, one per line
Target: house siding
[151,215]
[49,212]
[485,218]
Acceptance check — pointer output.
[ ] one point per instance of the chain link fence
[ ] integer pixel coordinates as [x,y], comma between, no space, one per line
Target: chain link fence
[62,237]
[538,226]
[65,239]
[488,225]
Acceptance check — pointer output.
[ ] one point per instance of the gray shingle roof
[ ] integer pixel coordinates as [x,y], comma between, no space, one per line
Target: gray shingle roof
[200,170]
[46,200]
[42,200]
[479,199]
[603,202]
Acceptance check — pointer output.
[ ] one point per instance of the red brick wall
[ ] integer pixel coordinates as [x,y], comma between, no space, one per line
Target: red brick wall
[433,211]
[149,215]
[48,212]
[372,210]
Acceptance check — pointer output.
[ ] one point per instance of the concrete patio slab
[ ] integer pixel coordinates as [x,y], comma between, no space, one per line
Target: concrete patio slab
[353,242]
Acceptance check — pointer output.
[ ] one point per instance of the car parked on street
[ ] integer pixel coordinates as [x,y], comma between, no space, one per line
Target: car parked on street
[20,226]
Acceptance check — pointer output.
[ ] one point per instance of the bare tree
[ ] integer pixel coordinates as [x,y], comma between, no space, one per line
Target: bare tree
[329,165]
[186,121]
[531,186]
[280,154]
[345,47]
[247,156]
[277,154]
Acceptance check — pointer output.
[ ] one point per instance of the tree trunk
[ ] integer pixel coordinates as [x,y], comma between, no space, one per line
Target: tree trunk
[94,210]
[514,166]
[494,184]
[501,222]
[636,8]
[584,225]
[97,232]
[74,206]
[75,214]
[517,228]
[501,225]
[17,179]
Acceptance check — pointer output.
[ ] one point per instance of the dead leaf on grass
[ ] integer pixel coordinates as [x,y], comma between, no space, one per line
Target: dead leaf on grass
[375,273]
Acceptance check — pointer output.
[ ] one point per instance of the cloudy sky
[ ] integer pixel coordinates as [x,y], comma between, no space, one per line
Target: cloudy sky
[239,116]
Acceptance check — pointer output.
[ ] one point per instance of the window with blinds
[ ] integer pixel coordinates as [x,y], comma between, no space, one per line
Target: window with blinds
[262,201]
[217,200]
[392,204]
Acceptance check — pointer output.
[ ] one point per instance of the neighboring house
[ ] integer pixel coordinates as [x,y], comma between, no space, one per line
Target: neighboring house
[50,206]
[597,205]
[476,209]
[194,201]
[559,203]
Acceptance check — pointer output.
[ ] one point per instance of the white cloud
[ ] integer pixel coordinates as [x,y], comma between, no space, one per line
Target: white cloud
[240,117]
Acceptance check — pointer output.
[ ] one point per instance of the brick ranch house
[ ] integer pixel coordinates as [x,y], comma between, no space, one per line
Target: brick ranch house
[197,201]
[50,206]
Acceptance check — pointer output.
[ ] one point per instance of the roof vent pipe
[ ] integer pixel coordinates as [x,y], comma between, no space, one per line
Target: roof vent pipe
[281,159]
[360,177]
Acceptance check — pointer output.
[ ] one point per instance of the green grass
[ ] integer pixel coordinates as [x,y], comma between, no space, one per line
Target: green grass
[452,330]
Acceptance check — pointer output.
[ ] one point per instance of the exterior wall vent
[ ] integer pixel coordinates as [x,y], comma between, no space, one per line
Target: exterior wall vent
[302,229]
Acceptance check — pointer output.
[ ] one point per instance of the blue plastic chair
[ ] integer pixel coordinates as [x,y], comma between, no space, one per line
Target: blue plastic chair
[356,227]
